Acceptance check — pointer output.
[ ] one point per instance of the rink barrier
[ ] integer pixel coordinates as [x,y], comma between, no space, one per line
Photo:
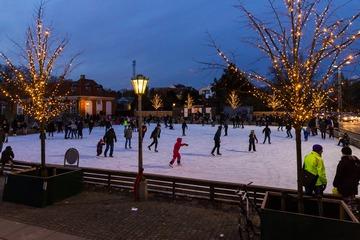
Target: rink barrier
[213,191]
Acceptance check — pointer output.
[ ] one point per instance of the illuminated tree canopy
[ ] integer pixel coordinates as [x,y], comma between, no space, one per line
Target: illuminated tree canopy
[233,100]
[306,45]
[189,101]
[157,102]
[29,87]
[303,54]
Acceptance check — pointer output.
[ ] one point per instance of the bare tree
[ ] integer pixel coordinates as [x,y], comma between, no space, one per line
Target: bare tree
[304,56]
[29,87]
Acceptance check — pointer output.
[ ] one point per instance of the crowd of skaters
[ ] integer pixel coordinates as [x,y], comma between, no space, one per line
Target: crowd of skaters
[72,128]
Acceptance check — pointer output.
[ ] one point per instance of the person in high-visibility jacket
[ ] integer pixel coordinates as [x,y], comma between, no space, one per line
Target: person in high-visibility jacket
[314,164]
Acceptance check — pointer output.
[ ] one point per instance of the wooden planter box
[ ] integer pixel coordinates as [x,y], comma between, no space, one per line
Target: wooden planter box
[280,220]
[29,188]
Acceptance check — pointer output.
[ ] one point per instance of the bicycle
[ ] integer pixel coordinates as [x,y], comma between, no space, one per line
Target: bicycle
[249,219]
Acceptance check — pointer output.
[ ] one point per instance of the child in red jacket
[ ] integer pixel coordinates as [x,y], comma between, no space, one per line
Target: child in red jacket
[176,153]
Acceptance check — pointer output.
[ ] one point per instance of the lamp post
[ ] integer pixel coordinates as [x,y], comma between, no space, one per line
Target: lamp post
[339,95]
[139,83]
[340,105]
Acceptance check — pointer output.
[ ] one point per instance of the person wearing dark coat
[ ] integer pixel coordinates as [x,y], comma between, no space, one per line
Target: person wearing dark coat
[143,131]
[99,147]
[14,126]
[107,125]
[7,156]
[217,142]
[226,126]
[184,126]
[252,139]
[155,135]
[347,175]
[128,135]
[51,128]
[288,130]
[2,139]
[344,140]
[80,127]
[6,128]
[323,126]
[91,126]
[267,133]
[109,139]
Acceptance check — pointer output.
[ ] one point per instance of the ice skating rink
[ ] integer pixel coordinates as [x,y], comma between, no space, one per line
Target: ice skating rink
[271,165]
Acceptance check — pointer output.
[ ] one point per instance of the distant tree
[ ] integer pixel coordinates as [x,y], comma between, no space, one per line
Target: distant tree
[273,102]
[233,100]
[189,101]
[229,82]
[157,102]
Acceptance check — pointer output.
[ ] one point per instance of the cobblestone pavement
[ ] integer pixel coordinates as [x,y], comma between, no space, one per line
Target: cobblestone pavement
[97,214]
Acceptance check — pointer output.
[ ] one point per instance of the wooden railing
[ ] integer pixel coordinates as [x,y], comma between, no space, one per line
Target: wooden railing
[213,191]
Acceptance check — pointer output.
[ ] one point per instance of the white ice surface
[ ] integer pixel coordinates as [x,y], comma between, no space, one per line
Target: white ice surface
[271,165]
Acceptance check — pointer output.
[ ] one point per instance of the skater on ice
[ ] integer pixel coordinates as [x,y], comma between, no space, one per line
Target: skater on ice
[252,139]
[184,127]
[176,153]
[155,135]
[267,133]
[99,147]
[217,142]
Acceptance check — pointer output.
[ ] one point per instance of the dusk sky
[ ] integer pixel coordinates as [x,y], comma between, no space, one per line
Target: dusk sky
[167,38]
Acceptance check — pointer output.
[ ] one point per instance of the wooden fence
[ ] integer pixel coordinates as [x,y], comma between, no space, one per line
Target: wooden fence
[213,191]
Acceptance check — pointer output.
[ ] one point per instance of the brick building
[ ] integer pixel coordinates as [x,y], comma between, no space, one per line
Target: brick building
[90,97]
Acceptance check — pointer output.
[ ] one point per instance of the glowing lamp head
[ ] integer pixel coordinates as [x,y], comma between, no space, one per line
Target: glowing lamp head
[139,84]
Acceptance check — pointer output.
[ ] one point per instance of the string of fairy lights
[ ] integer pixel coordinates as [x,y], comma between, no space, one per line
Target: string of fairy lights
[233,100]
[301,88]
[30,88]
[189,101]
[157,102]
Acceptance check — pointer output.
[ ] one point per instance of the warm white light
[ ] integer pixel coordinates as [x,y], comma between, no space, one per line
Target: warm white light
[139,84]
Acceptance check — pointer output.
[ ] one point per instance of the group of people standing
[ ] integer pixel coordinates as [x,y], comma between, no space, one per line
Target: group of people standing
[347,177]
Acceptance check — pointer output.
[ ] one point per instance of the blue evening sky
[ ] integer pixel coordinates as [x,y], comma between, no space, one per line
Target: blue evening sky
[167,38]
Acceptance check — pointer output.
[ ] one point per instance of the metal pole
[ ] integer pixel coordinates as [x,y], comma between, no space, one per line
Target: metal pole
[134,68]
[140,134]
[339,95]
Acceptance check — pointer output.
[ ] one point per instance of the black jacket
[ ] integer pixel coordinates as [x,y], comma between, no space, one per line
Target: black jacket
[217,135]
[156,133]
[110,136]
[7,155]
[266,130]
[347,176]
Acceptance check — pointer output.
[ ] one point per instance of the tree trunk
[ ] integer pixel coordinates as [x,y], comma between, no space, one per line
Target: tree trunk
[299,169]
[42,149]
